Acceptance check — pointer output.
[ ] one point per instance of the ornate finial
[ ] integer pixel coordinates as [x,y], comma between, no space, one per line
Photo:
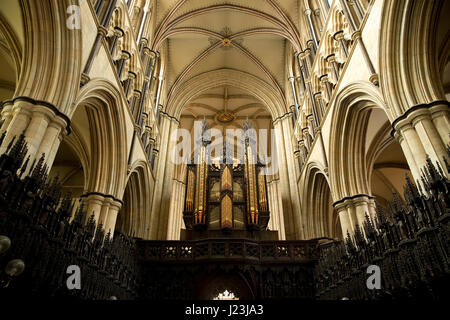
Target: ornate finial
[410,190]
[397,202]
[447,165]
[90,226]
[205,137]
[440,170]
[368,226]
[204,125]
[38,170]
[10,145]
[80,214]
[381,215]
[2,138]
[247,125]
[66,206]
[349,243]
[432,169]
[24,167]
[359,237]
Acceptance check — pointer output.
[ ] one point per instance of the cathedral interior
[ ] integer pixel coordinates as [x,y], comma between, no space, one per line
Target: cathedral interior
[225,150]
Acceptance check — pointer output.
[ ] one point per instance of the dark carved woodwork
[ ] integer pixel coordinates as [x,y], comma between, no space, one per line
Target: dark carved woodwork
[410,242]
[37,220]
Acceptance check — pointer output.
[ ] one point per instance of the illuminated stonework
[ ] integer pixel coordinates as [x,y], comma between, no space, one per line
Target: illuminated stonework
[226,296]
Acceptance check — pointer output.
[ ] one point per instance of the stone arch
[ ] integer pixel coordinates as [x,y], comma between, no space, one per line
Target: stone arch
[190,89]
[361,133]
[133,218]
[108,148]
[348,131]
[409,55]
[413,48]
[11,46]
[319,217]
[52,61]
[71,165]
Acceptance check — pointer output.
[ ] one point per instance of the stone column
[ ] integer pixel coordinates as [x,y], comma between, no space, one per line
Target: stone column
[348,15]
[123,59]
[52,139]
[98,5]
[180,208]
[42,124]
[424,130]
[103,217]
[311,28]
[358,10]
[353,210]
[276,209]
[96,47]
[345,220]
[171,232]
[357,38]
[163,180]
[332,60]
[7,115]
[134,102]
[308,139]
[129,84]
[327,85]
[93,203]
[110,222]
[118,33]
[294,93]
[288,179]
[105,209]
[176,211]
[312,126]
[321,108]
[102,32]
[339,37]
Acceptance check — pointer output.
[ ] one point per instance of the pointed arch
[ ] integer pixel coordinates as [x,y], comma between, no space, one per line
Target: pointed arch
[52,59]
[350,118]
[194,87]
[408,54]
[319,217]
[134,219]
[108,148]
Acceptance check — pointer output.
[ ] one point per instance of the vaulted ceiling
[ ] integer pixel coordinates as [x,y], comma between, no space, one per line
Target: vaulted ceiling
[245,35]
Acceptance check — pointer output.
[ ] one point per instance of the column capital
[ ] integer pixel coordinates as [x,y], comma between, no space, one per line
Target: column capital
[131,75]
[318,94]
[137,93]
[102,31]
[30,106]
[125,55]
[356,35]
[339,35]
[375,79]
[419,112]
[324,78]
[119,32]
[331,58]
[353,200]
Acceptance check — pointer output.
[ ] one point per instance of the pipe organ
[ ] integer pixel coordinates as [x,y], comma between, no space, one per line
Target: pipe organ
[227,196]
